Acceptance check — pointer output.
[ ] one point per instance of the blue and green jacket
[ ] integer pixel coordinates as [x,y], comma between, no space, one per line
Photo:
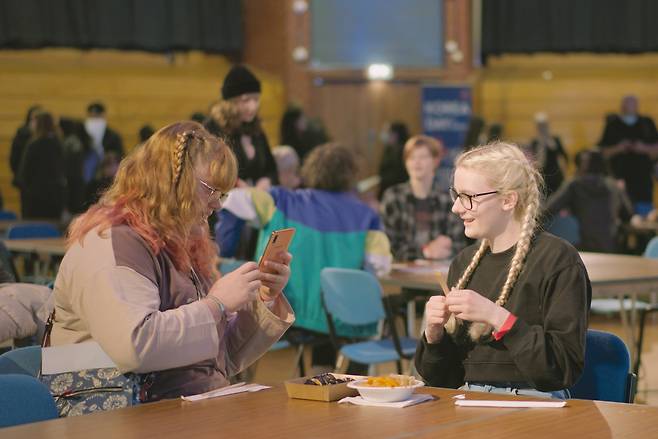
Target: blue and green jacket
[333,229]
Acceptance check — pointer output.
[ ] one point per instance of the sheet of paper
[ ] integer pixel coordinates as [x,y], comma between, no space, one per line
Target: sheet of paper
[416,398]
[74,357]
[228,390]
[509,403]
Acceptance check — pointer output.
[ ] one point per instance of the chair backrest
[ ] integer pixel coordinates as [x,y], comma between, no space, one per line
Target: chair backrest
[566,227]
[606,376]
[23,361]
[651,250]
[24,399]
[228,265]
[7,215]
[33,230]
[7,261]
[352,296]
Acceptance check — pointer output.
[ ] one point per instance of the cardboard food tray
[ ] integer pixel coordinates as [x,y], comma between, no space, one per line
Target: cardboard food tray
[330,392]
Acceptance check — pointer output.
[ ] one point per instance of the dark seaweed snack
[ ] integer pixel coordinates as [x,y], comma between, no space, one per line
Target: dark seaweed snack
[325,379]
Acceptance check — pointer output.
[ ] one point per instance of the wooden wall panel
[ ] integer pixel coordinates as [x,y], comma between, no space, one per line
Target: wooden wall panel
[577,91]
[354,113]
[136,87]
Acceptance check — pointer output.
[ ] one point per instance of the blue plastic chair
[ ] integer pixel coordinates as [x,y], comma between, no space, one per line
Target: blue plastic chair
[607,375]
[8,215]
[355,297]
[33,230]
[651,250]
[23,361]
[24,399]
[226,265]
[566,227]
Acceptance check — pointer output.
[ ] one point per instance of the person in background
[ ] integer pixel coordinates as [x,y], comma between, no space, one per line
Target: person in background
[293,128]
[391,167]
[515,319]
[596,201]
[630,145]
[140,278]
[333,229]
[235,118]
[103,139]
[145,132]
[416,214]
[287,163]
[76,145]
[23,135]
[549,155]
[42,176]
[107,169]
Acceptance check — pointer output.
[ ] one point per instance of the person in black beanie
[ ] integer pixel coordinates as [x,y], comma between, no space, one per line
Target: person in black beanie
[235,119]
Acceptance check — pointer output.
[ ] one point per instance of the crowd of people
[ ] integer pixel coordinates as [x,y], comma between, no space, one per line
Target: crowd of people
[140,275]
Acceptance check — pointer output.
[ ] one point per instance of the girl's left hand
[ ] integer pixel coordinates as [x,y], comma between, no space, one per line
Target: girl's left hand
[471,306]
[276,276]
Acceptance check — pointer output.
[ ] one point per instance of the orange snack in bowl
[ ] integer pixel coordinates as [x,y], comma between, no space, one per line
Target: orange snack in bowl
[390,381]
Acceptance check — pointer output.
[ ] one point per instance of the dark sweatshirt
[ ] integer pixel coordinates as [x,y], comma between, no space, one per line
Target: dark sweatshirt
[598,205]
[546,346]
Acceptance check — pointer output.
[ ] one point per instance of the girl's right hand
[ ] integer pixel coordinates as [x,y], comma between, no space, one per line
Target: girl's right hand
[238,287]
[436,315]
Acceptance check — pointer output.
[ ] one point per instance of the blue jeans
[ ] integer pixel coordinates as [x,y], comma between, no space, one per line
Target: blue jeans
[514,389]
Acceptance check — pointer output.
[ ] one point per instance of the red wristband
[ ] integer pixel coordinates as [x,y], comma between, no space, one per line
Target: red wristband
[507,325]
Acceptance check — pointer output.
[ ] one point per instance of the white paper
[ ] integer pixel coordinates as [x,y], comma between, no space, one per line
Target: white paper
[74,357]
[228,390]
[509,403]
[416,398]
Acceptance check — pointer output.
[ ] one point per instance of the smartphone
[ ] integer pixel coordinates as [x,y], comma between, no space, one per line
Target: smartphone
[278,242]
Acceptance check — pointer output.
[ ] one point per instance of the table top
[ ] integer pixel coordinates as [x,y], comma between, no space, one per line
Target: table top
[604,269]
[50,246]
[270,414]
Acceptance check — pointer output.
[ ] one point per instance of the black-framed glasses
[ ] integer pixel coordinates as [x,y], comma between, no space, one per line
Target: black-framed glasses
[466,199]
[214,192]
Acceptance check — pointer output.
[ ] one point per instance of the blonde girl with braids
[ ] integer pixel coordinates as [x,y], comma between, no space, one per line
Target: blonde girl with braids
[516,317]
[140,273]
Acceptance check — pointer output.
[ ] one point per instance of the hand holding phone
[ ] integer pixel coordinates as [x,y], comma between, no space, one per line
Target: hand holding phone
[274,263]
[277,244]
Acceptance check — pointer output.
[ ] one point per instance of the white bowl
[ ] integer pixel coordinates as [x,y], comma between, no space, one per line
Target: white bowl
[384,394]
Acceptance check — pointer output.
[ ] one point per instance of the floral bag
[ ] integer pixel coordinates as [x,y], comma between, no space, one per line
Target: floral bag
[80,391]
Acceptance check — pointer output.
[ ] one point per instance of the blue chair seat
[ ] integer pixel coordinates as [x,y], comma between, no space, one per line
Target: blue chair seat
[24,399]
[378,351]
[23,361]
[281,344]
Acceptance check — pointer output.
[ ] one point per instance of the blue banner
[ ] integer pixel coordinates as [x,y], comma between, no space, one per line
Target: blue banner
[446,111]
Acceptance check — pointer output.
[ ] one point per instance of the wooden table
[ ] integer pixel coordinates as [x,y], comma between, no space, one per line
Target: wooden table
[271,414]
[611,275]
[44,246]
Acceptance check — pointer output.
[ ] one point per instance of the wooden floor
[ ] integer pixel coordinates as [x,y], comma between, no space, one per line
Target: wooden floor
[278,366]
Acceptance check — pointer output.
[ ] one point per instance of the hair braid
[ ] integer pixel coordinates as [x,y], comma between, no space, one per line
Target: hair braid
[453,323]
[182,142]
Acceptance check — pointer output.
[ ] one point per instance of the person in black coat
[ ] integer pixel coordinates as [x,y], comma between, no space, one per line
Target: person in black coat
[391,168]
[103,139]
[41,177]
[20,140]
[235,119]
[630,144]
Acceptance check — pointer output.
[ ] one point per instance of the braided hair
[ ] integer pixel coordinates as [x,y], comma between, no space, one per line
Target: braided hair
[513,172]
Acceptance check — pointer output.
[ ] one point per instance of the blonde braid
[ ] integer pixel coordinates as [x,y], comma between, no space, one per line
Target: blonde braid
[477,330]
[453,323]
[179,153]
